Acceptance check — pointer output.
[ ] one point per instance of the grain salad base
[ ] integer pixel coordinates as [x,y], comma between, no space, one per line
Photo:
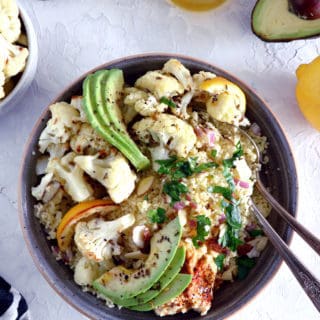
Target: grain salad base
[73,137]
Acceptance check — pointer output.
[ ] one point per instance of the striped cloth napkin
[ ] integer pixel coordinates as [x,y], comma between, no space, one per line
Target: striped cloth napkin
[13,306]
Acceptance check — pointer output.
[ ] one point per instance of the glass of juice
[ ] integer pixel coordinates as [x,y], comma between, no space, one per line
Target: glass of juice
[198,5]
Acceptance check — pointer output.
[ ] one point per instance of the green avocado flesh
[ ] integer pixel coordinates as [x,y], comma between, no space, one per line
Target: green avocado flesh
[169,275]
[174,289]
[121,283]
[272,21]
[101,92]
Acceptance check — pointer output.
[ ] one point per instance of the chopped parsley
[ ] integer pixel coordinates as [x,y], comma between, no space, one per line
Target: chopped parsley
[225,192]
[256,233]
[157,215]
[177,169]
[230,238]
[245,264]
[229,204]
[182,168]
[174,189]
[203,224]
[219,261]
[213,153]
[238,153]
[168,102]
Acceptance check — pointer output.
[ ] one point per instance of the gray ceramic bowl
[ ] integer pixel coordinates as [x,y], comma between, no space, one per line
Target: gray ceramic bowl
[281,177]
[11,100]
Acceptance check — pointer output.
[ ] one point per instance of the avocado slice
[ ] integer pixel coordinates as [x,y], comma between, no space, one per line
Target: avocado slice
[121,283]
[101,92]
[174,289]
[273,21]
[168,276]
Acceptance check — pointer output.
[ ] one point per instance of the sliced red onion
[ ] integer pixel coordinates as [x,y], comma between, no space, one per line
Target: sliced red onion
[255,129]
[222,219]
[211,137]
[179,205]
[242,184]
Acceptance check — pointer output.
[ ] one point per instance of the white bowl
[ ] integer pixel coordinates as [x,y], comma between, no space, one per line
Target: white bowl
[11,100]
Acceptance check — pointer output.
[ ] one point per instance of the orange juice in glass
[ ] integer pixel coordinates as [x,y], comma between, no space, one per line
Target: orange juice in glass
[198,5]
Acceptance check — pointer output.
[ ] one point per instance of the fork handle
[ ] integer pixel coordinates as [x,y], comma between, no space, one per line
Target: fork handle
[306,235]
[308,282]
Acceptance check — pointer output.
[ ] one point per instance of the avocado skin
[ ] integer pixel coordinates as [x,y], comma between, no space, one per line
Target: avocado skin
[174,289]
[287,38]
[121,283]
[101,92]
[168,276]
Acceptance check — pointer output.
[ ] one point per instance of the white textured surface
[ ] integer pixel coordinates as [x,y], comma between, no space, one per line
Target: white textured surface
[77,35]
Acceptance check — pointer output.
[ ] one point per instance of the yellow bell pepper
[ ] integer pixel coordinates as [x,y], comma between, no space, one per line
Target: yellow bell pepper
[308,91]
[80,211]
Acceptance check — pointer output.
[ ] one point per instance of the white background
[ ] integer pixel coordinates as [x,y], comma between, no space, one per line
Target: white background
[77,35]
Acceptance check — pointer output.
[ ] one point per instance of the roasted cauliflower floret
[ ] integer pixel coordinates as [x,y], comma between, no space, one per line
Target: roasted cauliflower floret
[10,25]
[138,101]
[226,102]
[61,126]
[177,69]
[70,175]
[169,131]
[88,141]
[110,172]
[97,238]
[76,102]
[47,188]
[150,106]
[2,79]
[12,57]
[85,272]
[160,85]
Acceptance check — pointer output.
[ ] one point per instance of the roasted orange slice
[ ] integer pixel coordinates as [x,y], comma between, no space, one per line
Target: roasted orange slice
[79,212]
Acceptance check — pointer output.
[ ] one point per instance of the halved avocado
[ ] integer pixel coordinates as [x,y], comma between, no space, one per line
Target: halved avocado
[273,21]
[122,283]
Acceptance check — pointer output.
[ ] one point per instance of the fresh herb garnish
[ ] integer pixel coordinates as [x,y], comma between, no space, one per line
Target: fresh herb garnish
[174,189]
[230,238]
[225,192]
[213,153]
[203,224]
[256,233]
[204,166]
[230,207]
[219,261]
[245,264]
[236,155]
[157,215]
[168,102]
[182,168]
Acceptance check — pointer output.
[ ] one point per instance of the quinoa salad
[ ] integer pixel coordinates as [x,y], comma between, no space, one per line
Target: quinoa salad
[147,199]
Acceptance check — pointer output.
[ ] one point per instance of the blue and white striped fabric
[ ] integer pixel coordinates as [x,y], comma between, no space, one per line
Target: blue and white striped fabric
[13,306]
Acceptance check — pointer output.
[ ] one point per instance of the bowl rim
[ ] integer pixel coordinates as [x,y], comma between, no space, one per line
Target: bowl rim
[31,65]
[40,265]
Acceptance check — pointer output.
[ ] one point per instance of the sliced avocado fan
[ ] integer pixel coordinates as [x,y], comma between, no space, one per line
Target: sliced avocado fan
[272,21]
[101,93]
[168,276]
[122,283]
[174,289]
